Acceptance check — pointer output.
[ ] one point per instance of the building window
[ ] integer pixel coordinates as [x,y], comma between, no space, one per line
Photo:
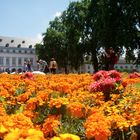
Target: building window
[19,61]
[19,45]
[14,61]
[0,40]
[25,59]
[25,51]
[12,41]
[7,45]
[7,61]
[19,51]
[14,51]
[30,46]
[88,66]
[1,60]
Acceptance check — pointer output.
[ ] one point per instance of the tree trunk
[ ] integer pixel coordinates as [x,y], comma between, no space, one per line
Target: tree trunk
[94,58]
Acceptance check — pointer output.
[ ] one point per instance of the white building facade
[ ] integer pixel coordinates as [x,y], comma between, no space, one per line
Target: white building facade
[15,51]
[122,65]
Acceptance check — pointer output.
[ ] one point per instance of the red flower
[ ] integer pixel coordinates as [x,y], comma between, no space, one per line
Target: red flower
[28,75]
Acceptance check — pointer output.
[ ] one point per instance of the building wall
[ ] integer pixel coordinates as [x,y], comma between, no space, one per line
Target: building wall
[14,52]
[121,65]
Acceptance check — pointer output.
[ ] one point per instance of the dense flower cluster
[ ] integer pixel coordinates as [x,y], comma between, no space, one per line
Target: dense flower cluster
[61,107]
[134,75]
[97,126]
[105,85]
[107,82]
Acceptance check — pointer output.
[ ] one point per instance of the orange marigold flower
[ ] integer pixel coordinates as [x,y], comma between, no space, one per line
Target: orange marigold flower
[50,125]
[77,109]
[58,102]
[97,126]
[32,103]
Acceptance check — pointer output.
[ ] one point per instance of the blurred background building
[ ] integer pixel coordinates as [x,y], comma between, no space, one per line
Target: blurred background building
[15,51]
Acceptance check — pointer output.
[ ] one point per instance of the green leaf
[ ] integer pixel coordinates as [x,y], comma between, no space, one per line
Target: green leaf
[21,108]
[2,99]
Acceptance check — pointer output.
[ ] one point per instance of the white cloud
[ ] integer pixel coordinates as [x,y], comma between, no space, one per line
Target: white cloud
[57,14]
[39,37]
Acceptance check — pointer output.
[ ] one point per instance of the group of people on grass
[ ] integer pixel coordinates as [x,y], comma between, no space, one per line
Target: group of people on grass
[43,66]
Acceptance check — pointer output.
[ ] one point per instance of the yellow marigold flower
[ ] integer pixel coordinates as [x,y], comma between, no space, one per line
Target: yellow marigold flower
[2,129]
[18,121]
[55,138]
[24,134]
[14,135]
[69,137]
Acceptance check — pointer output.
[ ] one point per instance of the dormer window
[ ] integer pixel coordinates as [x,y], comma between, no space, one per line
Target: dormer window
[30,46]
[7,45]
[12,41]
[19,45]
[23,42]
[0,40]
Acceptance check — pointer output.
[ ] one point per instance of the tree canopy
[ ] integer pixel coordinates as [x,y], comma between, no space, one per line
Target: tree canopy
[87,26]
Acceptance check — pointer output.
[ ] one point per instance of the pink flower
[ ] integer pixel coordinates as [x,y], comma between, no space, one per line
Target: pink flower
[103,85]
[114,74]
[102,74]
[105,81]
[134,75]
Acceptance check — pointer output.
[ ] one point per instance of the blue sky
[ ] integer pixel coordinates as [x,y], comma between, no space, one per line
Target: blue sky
[28,18]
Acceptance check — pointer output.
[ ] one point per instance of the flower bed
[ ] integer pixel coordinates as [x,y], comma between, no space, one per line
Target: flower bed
[69,107]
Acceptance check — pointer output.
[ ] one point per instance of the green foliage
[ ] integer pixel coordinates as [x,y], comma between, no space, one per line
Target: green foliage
[13,109]
[19,92]
[57,95]
[2,99]
[42,113]
[58,111]
[20,109]
[137,85]
[73,126]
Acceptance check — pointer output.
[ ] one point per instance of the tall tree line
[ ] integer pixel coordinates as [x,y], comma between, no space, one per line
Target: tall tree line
[86,26]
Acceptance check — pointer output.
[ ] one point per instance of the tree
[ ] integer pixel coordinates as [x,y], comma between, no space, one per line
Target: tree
[87,26]
[54,42]
[40,51]
[73,20]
